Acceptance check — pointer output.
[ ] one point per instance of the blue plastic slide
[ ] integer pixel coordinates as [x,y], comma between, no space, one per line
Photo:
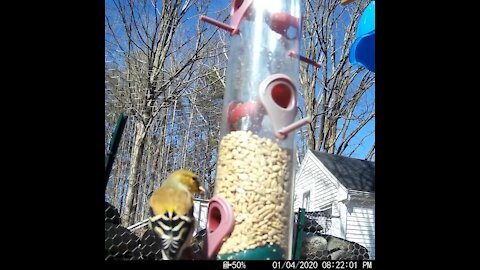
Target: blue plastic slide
[362,51]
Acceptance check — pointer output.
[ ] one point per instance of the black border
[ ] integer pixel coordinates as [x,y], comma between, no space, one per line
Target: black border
[55,109]
[413,98]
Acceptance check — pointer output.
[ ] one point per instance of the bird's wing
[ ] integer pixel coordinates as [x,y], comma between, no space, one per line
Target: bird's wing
[172,221]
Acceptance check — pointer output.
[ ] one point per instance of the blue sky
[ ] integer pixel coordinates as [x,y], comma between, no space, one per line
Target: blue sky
[362,150]
[368,130]
[369,96]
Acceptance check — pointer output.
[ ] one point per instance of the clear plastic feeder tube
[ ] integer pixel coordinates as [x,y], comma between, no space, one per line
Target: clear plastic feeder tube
[255,160]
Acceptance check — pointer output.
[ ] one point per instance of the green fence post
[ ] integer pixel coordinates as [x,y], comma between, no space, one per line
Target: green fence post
[114,143]
[299,240]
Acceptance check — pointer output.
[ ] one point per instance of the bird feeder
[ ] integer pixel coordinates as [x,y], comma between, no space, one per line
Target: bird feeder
[251,215]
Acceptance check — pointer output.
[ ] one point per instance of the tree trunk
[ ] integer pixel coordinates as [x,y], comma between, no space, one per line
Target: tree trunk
[117,175]
[371,153]
[136,158]
[187,133]
[167,152]
[163,145]
[143,180]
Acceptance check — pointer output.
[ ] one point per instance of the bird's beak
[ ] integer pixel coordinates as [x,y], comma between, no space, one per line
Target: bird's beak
[202,190]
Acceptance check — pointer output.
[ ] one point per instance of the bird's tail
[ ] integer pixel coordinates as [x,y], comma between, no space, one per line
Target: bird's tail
[165,256]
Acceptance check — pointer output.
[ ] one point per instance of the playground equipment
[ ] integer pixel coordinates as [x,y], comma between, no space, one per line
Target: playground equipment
[362,51]
[114,143]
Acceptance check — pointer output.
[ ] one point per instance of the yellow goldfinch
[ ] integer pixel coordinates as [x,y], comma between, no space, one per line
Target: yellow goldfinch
[172,212]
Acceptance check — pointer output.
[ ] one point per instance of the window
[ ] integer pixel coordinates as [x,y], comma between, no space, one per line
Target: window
[306,200]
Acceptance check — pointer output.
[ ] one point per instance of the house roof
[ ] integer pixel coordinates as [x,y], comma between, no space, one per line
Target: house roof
[354,174]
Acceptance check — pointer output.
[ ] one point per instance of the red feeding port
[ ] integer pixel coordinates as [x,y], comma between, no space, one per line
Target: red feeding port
[214,219]
[282,94]
[220,224]
[240,9]
[237,4]
[248,12]
[281,22]
[236,111]
[277,94]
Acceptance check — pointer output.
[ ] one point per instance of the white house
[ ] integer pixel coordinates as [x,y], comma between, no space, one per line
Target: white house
[343,187]
[200,209]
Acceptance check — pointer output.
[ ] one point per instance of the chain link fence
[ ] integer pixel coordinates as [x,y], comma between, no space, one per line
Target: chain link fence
[318,244]
[137,242]
[120,242]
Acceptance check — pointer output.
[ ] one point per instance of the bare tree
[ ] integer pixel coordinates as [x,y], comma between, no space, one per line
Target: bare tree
[336,96]
[154,68]
[371,153]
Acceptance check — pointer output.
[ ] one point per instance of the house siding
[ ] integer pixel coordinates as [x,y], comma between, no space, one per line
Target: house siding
[322,190]
[339,217]
[361,225]
[302,183]
[200,209]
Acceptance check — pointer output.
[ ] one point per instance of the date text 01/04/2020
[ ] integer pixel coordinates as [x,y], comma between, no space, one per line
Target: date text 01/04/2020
[322,265]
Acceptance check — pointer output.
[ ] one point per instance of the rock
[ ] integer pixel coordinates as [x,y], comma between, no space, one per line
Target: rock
[329,247]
